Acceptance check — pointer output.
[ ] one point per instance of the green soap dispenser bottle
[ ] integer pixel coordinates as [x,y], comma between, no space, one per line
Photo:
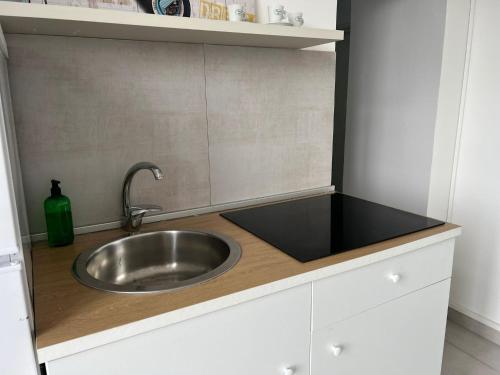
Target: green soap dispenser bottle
[58,217]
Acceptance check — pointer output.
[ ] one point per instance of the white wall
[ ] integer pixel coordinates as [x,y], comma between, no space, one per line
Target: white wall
[422,138]
[476,199]
[395,66]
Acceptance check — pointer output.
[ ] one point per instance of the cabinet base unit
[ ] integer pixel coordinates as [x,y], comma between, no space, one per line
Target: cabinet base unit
[380,314]
[404,336]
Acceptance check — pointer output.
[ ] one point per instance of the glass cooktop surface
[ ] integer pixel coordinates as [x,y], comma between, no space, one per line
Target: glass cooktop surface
[316,227]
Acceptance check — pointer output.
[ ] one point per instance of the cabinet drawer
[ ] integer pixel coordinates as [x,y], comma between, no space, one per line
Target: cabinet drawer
[344,295]
[404,336]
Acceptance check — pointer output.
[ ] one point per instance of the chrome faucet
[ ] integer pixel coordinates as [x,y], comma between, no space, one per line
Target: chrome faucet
[133,214]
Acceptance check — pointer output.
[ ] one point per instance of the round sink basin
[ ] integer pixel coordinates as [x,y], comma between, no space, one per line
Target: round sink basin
[157,261]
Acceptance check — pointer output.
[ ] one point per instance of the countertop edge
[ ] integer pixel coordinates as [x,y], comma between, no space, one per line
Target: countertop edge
[74,346]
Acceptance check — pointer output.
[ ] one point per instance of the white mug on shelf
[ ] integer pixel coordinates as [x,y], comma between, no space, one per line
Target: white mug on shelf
[296,19]
[276,12]
[236,12]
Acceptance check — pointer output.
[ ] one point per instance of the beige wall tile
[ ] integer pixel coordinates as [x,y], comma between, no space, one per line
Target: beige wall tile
[87,109]
[270,118]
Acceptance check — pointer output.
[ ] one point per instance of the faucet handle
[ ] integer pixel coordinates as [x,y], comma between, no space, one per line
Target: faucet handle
[144,209]
[133,218]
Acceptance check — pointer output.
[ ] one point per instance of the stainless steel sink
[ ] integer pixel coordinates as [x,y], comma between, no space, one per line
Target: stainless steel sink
[157,261]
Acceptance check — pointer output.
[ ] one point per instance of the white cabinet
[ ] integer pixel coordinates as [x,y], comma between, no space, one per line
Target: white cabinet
[386,318]
[405,336]
[265,336]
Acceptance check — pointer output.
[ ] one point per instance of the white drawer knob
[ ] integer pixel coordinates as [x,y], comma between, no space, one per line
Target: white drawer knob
[394,277]
[337,350]
[288,371]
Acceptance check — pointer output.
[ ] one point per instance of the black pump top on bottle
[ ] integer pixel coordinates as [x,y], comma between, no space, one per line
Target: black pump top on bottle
[55,190]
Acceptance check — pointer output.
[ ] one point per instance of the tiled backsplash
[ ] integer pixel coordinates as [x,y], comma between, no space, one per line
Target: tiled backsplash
[224,123]
[270,121]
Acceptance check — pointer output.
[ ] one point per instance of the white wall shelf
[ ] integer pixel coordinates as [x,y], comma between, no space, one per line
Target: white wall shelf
[23,18]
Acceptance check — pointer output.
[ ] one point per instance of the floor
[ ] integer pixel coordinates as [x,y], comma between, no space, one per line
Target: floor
[466,353]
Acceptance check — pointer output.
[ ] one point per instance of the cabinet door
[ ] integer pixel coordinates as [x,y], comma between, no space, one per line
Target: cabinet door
[404,336]
[264,336]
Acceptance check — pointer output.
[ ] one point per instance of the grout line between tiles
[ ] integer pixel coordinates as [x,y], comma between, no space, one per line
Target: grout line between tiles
[206,118]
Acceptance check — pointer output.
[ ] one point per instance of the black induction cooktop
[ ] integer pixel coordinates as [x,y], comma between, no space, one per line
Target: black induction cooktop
[317,227]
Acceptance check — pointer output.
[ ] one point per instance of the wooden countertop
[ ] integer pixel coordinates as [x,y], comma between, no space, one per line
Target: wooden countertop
[66,310]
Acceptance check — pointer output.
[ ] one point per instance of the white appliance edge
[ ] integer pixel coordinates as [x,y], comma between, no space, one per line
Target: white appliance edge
[17,351]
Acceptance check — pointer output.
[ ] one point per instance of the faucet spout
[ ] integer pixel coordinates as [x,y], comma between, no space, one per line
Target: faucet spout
[133,215]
